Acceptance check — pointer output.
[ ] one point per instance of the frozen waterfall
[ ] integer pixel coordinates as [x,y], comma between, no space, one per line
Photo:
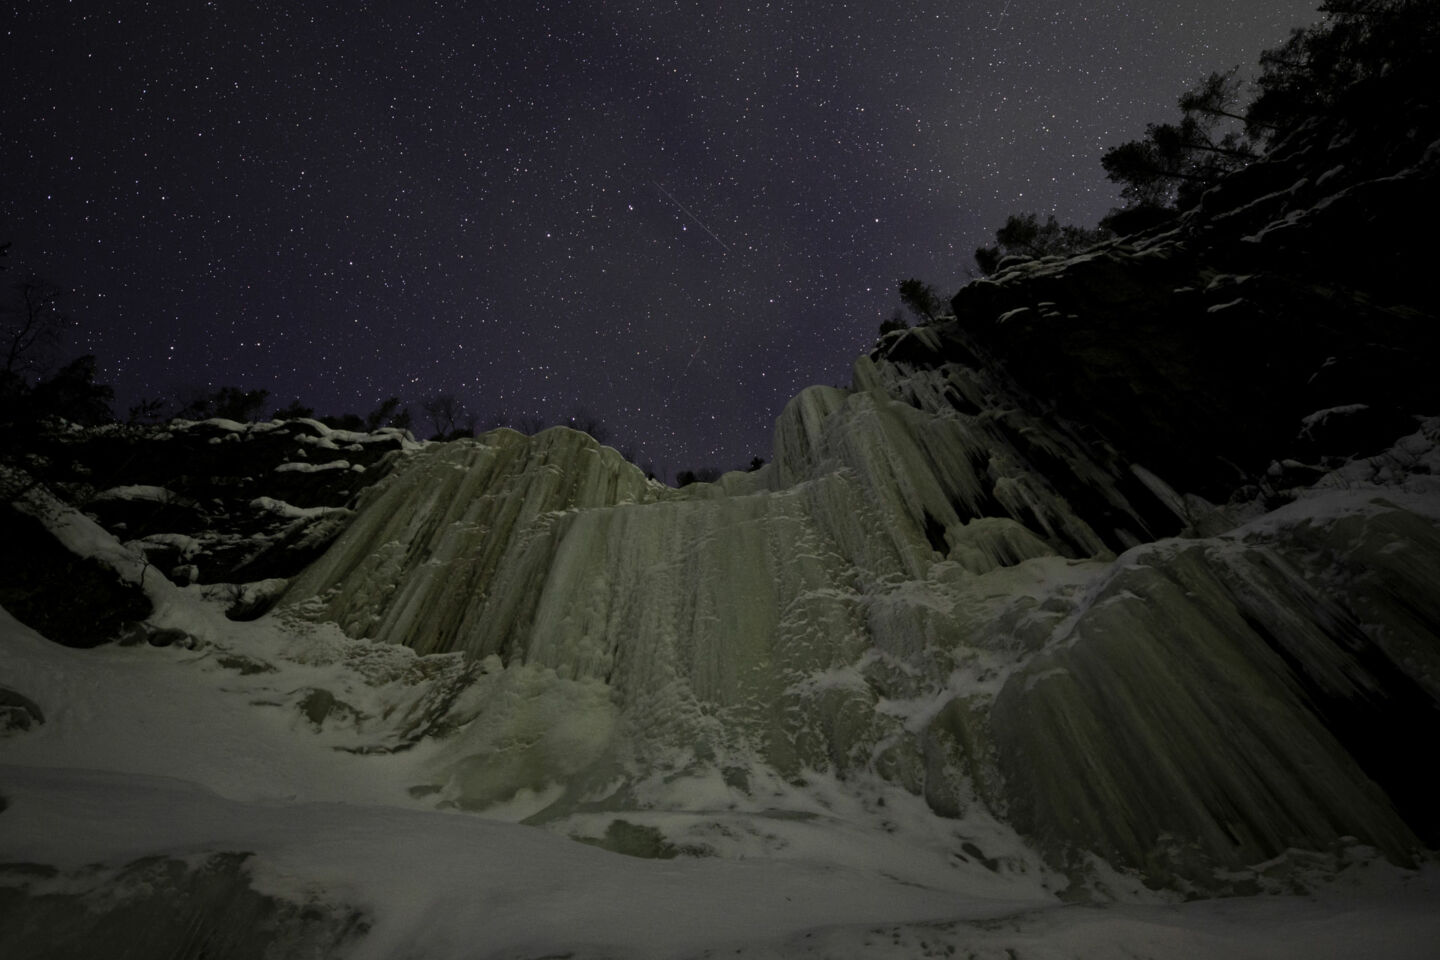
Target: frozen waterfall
[928,584]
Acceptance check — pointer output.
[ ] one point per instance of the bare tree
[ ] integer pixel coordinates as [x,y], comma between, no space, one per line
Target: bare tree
[442,411]
[33,325]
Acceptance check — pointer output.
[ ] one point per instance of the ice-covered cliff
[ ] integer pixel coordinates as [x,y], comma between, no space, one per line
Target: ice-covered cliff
[1137,552]
[944,581]
[907,591]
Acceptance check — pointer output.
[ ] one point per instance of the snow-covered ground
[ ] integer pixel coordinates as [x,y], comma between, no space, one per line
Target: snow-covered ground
[181,752]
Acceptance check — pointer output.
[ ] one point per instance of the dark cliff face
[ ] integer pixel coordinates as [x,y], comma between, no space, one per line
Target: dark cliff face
[1197,349]
[210,502]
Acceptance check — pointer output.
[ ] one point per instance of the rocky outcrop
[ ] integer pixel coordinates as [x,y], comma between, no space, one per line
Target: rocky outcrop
[72,599]
[18,712]
[1298,285]
[163,907]
[210,502]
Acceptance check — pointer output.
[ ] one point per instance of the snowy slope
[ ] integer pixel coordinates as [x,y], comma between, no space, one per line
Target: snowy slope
[181,756]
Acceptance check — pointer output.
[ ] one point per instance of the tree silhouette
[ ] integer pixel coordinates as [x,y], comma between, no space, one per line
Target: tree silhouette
[383,415]
[443,411]
[1363,54]
[1025,235]
[146,410]
[31,323]
[295,411]
[586,422]
[1174,163]
[1366,52]
[72,394]
[920,298]
[32,327]
[896,322]
[228,403]
[1218,96]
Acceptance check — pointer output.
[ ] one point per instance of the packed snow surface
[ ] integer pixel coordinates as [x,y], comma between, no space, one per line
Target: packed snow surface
[171,752]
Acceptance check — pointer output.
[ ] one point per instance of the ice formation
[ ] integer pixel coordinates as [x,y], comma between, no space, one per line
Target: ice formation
[927,583]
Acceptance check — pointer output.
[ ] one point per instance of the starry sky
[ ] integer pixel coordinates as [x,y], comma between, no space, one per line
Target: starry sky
[672,216]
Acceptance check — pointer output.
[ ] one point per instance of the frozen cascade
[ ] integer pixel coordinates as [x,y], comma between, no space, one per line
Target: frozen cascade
[1183,700]
[923,584]
[420,569]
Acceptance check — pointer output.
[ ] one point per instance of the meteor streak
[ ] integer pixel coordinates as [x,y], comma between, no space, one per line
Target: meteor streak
[691,215]
[693,356]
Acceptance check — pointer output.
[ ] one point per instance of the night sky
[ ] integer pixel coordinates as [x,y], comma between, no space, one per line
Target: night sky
[672,215]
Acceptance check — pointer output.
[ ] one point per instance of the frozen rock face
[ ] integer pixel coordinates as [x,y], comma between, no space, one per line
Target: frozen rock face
[435,566]
[1126,554]
[1222,701]
[213,501]
[922,586]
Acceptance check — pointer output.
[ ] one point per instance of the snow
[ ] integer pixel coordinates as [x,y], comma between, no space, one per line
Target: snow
[149,752]
[217,423]
[86,538]
[142,493]
[330,438]
[167,751]
[447,885]
[292,512]
[1216,308]
[1319,419]
[174,752]
[186,547]
[296,466]
[1226,279]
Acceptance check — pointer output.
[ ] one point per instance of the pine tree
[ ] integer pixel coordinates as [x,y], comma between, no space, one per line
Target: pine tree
[1366,52]
[1174,163]
[1025,235]
[920,298]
